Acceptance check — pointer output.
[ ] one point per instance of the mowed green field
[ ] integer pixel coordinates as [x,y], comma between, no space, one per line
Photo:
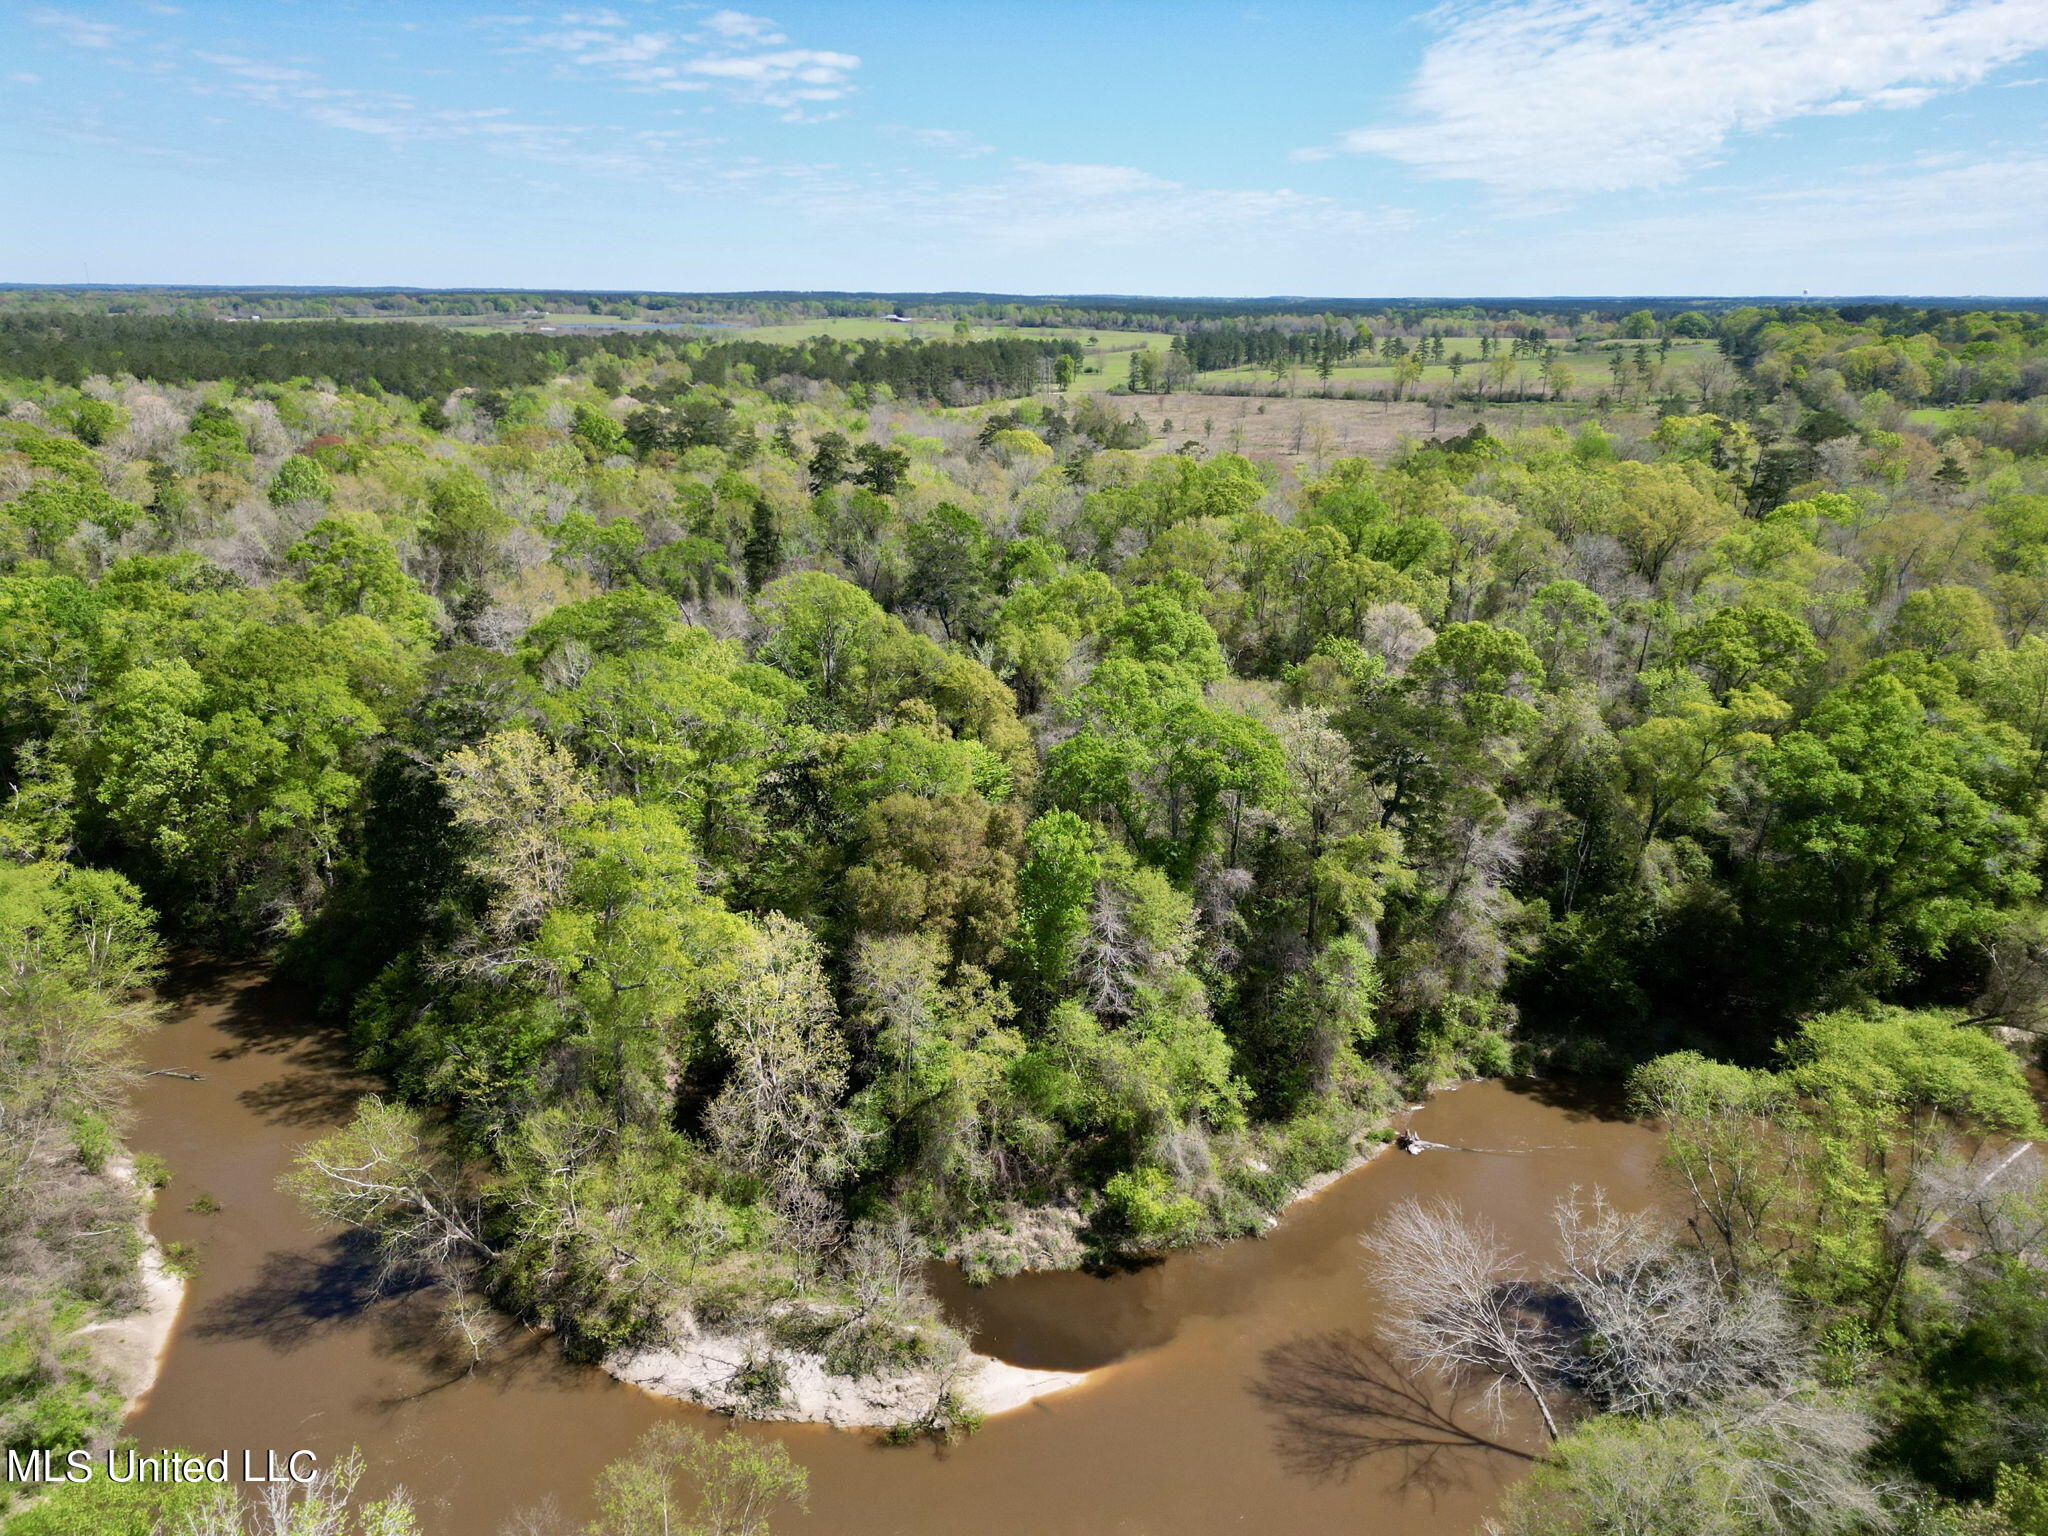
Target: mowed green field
[1589,369]
[843,330]
[1107,352]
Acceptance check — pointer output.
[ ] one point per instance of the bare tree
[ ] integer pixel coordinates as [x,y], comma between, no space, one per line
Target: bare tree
[883,1265]
[1456,1303]
[1112,959]
[1796,1459]
[1660,1330]
[2016,986]
[324,1506]
[1711,375]
[2002,1212]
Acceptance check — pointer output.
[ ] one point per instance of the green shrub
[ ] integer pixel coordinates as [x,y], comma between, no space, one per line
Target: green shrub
[1142,1207]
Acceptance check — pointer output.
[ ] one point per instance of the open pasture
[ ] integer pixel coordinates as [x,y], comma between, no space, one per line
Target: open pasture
[1301,435]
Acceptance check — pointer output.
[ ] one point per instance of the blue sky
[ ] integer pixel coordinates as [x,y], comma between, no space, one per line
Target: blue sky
[1370,148]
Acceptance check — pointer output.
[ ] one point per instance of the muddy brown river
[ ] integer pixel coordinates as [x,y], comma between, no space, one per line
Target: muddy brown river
[1193,1424]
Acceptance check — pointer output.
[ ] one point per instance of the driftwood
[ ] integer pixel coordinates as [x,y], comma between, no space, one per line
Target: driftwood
[190,1077]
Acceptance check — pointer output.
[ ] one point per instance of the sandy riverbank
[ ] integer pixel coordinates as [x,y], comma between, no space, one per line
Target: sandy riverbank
[130,1349]
[701,1366]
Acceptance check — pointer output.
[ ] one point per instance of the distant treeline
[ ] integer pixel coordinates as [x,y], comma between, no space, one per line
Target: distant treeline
[1230,344]
[425,362]
[419,362]
[952,371]
[783,306]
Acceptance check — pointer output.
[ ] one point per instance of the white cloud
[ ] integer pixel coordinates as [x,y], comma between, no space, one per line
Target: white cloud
[25,77]
[1583,96]
[631,55]
[1931,204]
[739,27]
[735,52]
[952,141]
[809,65]
[79,31]
[255,69]
[1944,225]
[357,120]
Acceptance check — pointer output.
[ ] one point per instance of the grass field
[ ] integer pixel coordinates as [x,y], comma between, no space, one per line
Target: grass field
[1108,352]
[1299,435]
[1589,370]
[845,330]
[1106,363]
[1303,436]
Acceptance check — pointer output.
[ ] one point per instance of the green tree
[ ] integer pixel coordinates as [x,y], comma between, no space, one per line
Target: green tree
[828,464]
[1894,835]
[1055,889]
[1681,758]
[948,560]
[737,1486]
[883,469]
[464,525]
[601,436]
[345,570]
[300,478]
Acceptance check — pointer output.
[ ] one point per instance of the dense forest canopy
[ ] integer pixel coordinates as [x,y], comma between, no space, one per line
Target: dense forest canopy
[775,813]
[429,364]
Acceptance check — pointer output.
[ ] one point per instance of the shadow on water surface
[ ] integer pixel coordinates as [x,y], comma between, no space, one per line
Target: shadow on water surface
[1580,1099]
[285,1327]
[298,1294]
[261,1012]
[315,1097]
[1338,1400]
[300,1298]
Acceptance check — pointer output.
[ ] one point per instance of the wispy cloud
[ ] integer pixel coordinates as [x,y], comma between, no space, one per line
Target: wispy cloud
[1585,96]
[1921,224]
[952,141]
[79,31]
[1954,205]
[733,52]
[531,146]
[255,69]
[1040,205]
